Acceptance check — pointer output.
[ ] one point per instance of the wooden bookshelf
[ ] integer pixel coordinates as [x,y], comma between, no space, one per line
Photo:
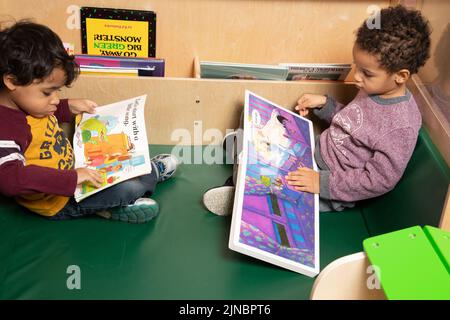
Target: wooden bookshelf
[245,31]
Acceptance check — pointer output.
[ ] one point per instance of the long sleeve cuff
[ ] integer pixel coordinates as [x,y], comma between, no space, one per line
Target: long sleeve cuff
[324,182]
[327,111]
[20,180]
[49,180]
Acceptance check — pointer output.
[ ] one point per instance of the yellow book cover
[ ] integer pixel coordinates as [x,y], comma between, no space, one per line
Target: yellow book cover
[118,32]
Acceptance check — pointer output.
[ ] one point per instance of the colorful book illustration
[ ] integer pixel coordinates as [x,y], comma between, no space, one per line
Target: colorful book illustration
[109,64]
[227,70]
[271,221]
[412,263]
[118,32]
[114,142]
[317,71]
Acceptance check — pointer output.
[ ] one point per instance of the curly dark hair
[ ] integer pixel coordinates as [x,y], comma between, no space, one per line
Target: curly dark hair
[402,42]
[31,51]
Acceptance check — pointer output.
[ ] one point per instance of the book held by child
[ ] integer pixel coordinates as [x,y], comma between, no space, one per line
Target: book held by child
[271,220]
[114,142]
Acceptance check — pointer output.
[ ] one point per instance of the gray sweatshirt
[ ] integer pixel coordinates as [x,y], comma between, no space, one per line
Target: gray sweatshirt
[364,152]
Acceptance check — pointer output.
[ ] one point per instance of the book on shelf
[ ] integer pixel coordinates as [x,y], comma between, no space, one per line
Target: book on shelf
[139,66]
[271,220]
[114,142]
[118,32]
[228,70]
[280,72]
[112,71]
[317,71]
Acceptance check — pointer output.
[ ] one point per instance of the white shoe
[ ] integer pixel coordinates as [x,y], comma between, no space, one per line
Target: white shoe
[219,200]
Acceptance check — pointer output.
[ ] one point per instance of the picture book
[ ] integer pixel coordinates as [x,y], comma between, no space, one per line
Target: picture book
[272,221]
[317,71]
[118,32]
[148,66]
[227,70]
[114,142]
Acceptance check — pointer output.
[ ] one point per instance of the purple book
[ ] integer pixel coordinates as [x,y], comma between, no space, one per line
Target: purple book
[146,66]
[271,220]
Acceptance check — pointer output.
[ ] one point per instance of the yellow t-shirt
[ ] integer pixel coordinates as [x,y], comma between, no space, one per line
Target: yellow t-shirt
[49,148]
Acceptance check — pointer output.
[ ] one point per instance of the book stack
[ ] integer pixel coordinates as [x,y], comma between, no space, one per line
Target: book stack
[281,72]
[112,65]
[118,42]
[118,32]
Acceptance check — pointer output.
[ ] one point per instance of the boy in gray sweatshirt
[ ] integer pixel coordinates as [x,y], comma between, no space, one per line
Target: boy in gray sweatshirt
[369,142]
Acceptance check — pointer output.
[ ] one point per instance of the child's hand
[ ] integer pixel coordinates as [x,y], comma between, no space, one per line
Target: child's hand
[304,179]
[92,176]
[309,101]
[78,106]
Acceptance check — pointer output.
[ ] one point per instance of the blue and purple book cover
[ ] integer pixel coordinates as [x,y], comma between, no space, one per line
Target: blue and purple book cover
[272,221]
[153,64]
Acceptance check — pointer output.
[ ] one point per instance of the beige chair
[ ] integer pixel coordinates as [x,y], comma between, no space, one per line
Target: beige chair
[348,278]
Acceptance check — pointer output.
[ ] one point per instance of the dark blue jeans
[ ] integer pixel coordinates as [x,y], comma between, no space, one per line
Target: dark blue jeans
[121,194]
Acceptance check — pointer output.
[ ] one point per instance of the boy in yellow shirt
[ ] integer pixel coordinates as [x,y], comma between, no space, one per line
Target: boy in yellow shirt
[36,159]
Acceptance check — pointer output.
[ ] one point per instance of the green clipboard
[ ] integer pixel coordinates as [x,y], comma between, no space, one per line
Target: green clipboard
[412,263]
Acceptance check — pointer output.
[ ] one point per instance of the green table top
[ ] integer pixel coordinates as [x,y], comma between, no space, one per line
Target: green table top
[408,264]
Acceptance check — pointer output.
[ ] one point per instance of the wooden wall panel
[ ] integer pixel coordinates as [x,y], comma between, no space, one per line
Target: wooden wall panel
[250,31]
[177,103]
[437,12]
[432,117]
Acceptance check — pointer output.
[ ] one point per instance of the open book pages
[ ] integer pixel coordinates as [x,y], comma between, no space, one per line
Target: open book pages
[114,142]
[271,220]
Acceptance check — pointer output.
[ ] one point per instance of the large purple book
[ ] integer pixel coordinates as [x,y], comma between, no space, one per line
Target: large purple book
[154,66]
[272,221]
